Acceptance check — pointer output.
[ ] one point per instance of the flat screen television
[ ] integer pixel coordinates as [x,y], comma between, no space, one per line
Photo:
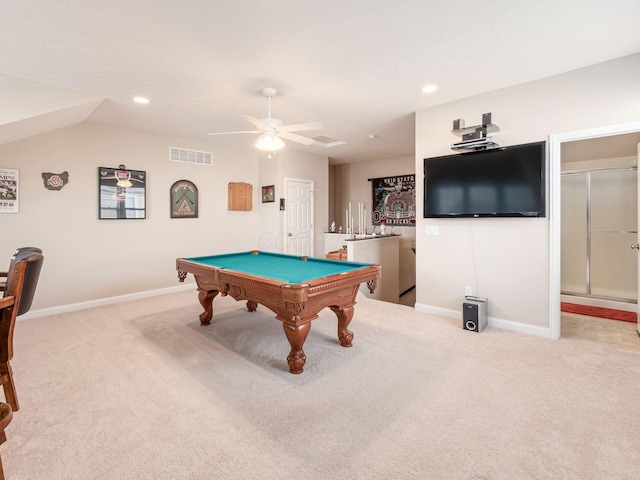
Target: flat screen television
[497,182]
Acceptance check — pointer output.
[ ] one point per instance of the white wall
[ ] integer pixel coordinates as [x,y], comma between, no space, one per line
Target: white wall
[351,184]
[507,260]
[88,259]
[289,163]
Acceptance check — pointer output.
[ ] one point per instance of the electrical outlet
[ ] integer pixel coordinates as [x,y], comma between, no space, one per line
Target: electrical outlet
[468,291]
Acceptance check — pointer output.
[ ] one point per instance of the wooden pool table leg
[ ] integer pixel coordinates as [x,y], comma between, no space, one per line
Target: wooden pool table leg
[296,334]
[344,314]
[251,305]
[206,300]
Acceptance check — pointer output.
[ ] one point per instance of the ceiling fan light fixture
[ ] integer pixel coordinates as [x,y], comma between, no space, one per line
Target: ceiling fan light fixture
[268,142]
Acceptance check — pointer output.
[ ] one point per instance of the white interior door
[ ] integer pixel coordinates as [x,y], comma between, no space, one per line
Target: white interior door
[299,223]
[637,244]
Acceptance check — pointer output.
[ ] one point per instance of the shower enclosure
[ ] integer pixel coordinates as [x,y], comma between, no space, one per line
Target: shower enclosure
[599,234]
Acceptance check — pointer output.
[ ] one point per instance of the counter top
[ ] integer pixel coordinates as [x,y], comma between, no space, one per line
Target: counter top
[371,237]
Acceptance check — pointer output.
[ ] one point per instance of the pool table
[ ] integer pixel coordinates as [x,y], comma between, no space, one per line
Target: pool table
[294,288]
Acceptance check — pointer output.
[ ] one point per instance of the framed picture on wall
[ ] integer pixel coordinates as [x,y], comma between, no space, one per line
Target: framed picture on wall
[394,201]
[9,190]
[122,193]
[268,194]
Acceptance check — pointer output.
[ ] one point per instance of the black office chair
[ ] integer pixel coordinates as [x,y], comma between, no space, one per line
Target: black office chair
[20,251]
[22,280]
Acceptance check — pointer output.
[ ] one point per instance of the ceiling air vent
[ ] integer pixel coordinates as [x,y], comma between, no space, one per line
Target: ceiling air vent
[327,141]
[190,156]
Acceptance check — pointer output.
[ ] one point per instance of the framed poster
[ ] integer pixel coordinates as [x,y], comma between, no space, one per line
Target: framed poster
[184,199]
[8,190]
[122,193]
[268,194]
[394,201]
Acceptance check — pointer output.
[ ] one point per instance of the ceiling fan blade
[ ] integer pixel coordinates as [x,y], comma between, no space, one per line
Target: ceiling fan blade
[296,138]
[254,121]
[231,133]
[298,127]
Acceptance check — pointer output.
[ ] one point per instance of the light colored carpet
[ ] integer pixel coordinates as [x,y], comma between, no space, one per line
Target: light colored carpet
[142,391]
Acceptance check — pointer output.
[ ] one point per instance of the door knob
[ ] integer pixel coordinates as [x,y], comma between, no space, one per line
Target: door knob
[636,246]
[291,235]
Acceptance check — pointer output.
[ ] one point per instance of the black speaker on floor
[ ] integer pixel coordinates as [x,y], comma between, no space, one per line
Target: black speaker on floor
[474,314]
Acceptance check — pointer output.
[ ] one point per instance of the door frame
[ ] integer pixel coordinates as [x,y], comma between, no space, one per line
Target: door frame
[555,154]
[285,235]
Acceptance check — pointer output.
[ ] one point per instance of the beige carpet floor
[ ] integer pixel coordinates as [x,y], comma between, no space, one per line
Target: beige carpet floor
[141,391]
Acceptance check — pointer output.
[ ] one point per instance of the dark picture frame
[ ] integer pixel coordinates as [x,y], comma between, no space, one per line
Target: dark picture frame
[122,193]
[394,201]
[268,193]
[184,199]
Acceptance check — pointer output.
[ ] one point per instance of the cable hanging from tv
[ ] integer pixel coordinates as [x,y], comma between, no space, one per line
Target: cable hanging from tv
[475,137]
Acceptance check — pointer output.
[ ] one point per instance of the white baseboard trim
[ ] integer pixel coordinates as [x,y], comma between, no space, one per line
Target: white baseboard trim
[508,325]
[44,312]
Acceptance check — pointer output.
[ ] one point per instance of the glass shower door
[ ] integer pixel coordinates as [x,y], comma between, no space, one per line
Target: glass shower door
[599,225]
[573,247]
[613,229]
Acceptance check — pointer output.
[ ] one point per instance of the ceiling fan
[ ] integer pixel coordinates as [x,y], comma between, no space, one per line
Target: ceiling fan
[273,131]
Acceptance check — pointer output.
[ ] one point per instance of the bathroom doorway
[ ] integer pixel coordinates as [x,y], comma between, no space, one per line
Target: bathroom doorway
[599,229]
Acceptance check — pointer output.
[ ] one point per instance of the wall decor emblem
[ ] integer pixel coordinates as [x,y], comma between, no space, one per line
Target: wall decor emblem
[55,181]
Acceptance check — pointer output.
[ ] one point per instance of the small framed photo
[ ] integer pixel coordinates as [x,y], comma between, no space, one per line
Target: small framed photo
[268,194]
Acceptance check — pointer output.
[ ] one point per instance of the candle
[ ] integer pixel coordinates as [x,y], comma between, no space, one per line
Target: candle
[346,219]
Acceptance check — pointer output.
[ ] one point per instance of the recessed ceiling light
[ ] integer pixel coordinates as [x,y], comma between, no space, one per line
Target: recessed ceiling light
[429,88]
[140,100]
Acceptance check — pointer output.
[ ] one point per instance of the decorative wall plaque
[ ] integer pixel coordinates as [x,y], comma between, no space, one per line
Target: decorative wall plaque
[184,199]
[55,181]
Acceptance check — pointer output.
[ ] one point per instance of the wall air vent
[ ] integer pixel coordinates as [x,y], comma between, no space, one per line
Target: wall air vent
[190,156]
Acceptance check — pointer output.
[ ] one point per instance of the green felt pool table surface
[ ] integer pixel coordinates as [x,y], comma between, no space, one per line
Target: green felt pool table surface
[288,268]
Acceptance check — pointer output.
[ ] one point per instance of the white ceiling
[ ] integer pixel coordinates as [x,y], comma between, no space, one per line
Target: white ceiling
[355,66]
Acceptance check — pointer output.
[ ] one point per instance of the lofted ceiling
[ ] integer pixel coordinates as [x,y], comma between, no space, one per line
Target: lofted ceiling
[355,66]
